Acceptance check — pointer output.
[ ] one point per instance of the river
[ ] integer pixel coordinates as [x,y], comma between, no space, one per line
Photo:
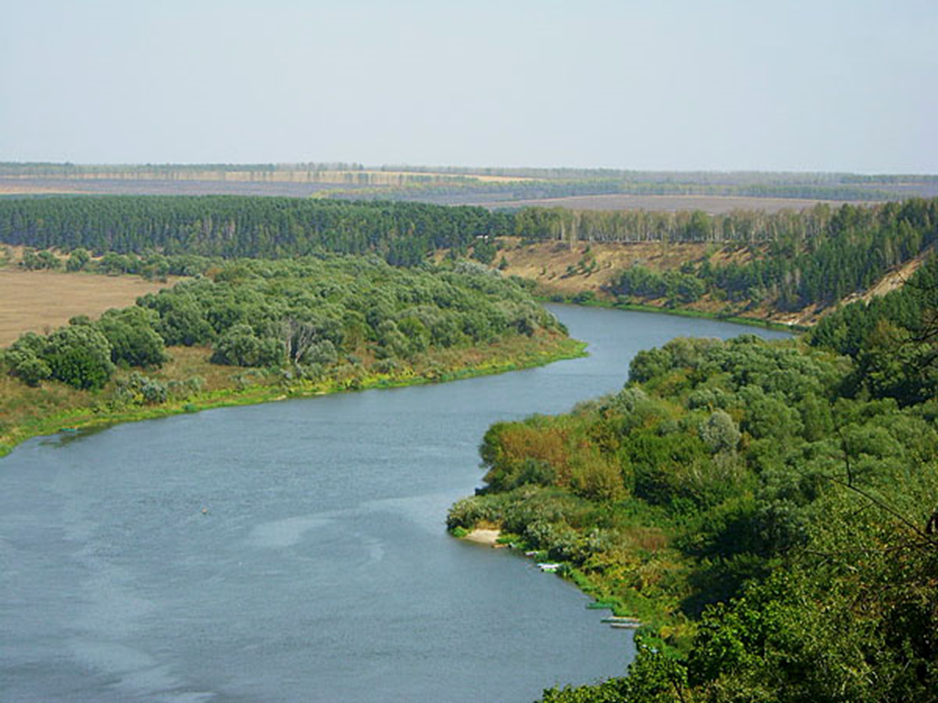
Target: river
[297,550]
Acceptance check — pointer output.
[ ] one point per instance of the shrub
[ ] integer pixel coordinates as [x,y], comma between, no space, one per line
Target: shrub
[241,347]
[79,356]
[719,432]
[133,337]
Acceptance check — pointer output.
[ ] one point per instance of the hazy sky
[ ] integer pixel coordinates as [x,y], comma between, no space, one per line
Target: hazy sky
[661,84]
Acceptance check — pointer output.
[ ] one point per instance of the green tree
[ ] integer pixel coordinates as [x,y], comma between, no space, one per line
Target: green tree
[132,335]
[78,259]
[79,356]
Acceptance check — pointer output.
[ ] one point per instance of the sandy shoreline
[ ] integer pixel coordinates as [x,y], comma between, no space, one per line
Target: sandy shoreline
[480,536]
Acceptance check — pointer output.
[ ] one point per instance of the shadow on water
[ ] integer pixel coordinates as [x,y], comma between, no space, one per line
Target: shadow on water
[67,436]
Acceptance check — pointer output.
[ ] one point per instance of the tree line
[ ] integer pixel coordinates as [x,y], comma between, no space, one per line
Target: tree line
[257,226]
[818,257]
[233,226]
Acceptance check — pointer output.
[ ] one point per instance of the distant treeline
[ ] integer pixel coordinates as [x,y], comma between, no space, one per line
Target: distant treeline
[540,189]
[819,255]
[232,226]
[567,174]
[67,169]
[402,233]
[816,257]
[402,182]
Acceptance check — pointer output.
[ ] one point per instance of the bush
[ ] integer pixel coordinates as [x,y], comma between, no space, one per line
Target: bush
[25,365]
[78,260]
[241,347]
[133,337]
[79,356]
[138,389]
[185,389]
[323,353]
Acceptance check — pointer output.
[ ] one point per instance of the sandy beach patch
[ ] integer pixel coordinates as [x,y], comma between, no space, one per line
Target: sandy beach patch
[484,536]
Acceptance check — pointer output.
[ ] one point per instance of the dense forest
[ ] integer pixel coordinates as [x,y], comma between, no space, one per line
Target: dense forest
[767,509]
[305,325]
[774,262]
[793,260]
[230,226]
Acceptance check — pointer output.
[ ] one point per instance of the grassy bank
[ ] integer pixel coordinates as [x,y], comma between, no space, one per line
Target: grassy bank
[31,412]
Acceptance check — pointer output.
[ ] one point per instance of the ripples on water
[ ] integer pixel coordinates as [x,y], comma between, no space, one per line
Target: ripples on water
[320,569]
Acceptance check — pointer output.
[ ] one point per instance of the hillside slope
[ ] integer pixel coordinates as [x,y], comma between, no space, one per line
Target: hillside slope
[583,270]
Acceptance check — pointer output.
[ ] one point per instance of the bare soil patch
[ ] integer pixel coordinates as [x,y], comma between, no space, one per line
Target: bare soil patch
[39,301]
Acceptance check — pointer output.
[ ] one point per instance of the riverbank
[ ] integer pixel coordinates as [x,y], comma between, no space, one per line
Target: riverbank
[677,312]
[500,358]
[629,492]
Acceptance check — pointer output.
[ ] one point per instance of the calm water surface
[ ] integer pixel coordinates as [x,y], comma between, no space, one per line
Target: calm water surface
[321,571]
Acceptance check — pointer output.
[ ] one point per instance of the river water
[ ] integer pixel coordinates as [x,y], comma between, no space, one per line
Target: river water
[319,570]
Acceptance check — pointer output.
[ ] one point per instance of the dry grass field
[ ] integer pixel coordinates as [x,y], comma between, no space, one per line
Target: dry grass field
[38,301]
[10,187]
[158,186]
[560,268]
[713,204]
[374,177]
[300,184]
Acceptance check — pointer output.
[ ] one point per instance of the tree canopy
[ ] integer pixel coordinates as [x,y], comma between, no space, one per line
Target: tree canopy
[769,518]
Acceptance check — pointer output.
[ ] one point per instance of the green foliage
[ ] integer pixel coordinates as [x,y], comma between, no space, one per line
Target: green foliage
[768,523]
[36,261]
[719,432]
[818,256]
[239,346]
[132,335]
[313,319]
[78,259]
[80,356]
[232,226]
[892,339]
[484,251]
[642,282]
[138,389]
[25,359]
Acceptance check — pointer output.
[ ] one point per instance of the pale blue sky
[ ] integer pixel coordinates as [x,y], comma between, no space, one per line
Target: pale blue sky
[662,84]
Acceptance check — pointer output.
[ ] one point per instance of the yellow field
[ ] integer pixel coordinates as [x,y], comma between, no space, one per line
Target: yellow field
[8,188]
[371,177]
[39,301]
